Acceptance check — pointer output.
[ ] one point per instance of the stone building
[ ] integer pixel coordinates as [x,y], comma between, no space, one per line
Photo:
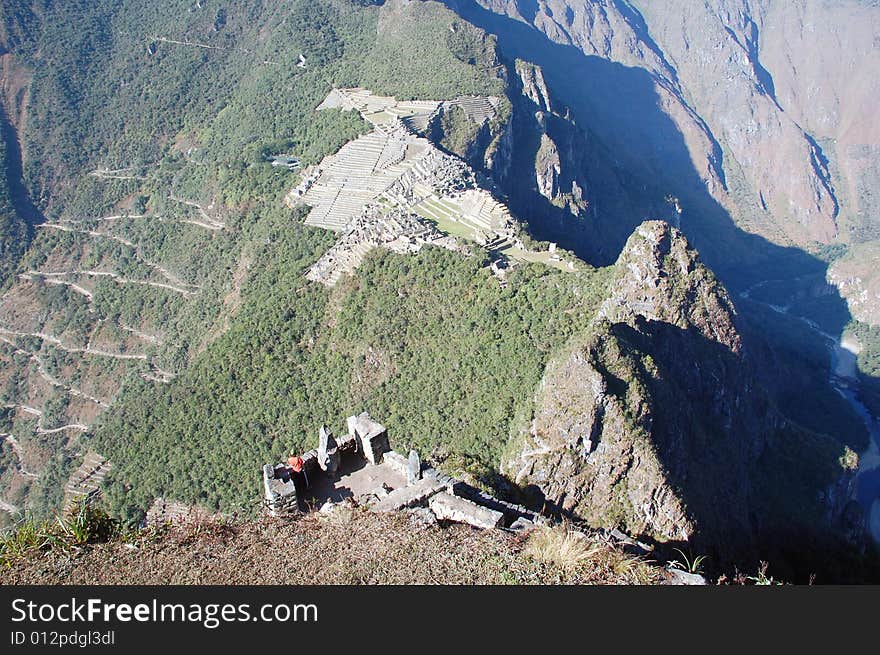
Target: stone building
[360,466]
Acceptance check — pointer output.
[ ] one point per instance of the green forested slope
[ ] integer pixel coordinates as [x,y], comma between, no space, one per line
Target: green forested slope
[111,88]
[430,344]
[135,107]
[13,231]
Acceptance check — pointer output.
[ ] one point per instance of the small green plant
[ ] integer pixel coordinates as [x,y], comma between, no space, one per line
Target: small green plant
[85,523]
[81,524]
[691,565]
[762,578]
[26,537]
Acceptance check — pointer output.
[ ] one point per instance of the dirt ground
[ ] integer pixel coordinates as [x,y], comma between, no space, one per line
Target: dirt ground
[347,546]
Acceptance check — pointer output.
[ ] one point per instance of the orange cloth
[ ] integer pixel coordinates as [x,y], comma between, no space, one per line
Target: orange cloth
[295,463]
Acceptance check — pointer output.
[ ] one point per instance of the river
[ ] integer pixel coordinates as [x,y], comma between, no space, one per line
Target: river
[844,378]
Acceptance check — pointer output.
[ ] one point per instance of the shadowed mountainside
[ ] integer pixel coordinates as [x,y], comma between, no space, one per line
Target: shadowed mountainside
[655,420]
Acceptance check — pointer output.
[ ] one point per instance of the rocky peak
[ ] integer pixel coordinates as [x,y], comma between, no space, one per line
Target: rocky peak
[661,279]
[654,420]
[533,85]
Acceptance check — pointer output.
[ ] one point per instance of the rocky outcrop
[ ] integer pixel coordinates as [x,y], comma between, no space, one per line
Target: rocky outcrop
[857,276]
[542,161]
[718,103]
[549,137]
[653,421]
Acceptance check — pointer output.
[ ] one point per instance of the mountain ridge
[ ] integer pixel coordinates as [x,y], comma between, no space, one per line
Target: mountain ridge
[169,262]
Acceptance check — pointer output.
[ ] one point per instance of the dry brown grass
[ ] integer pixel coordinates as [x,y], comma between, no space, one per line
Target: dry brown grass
[349,546]
[587,557]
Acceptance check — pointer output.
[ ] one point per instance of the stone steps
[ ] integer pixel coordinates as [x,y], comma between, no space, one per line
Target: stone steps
[409,496]
[478,108]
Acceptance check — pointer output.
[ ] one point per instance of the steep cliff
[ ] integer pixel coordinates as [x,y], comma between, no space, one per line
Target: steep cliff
[550,141]
[718,105]
[654,420]
[561,177]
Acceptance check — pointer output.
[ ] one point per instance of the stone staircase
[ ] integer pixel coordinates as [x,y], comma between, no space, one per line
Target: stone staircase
[85,482]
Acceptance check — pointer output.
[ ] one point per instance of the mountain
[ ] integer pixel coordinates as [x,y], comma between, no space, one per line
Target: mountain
[655,419]
[163,331]
[720,99]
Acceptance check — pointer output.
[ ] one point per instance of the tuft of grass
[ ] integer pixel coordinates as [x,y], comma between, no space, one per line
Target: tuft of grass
[81,524]
[586,558]
[689,564]
[84,523]
[561,546]
[26,537]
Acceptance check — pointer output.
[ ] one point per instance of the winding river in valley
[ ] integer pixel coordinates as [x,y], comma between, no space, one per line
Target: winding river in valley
[844,378]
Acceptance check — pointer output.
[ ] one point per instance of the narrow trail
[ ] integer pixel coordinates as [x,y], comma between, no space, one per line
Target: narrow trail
[27,409]
[80,427]
[158,375]
[53,278]
[117,217]
[158,285]
[57,343]
[16,449]
[32,276]
[41,368]
[102,235]
[207,46]
[176,283]
[141,335]
[212,225]
[149,338]
[208,226]
[208,221]
[117,174]
[155,374]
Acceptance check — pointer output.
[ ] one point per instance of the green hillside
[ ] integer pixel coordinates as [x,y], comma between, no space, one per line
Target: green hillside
[13,231]
[158,313]
[136,110]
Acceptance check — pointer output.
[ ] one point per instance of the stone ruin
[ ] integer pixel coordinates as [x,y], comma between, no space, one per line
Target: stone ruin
[360,466]
[394,188]
[85,482]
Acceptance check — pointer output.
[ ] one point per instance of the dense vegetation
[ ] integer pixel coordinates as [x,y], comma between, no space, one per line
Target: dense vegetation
[431,345]
[109,90]
[136,107]
[257,349]
[11,232]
